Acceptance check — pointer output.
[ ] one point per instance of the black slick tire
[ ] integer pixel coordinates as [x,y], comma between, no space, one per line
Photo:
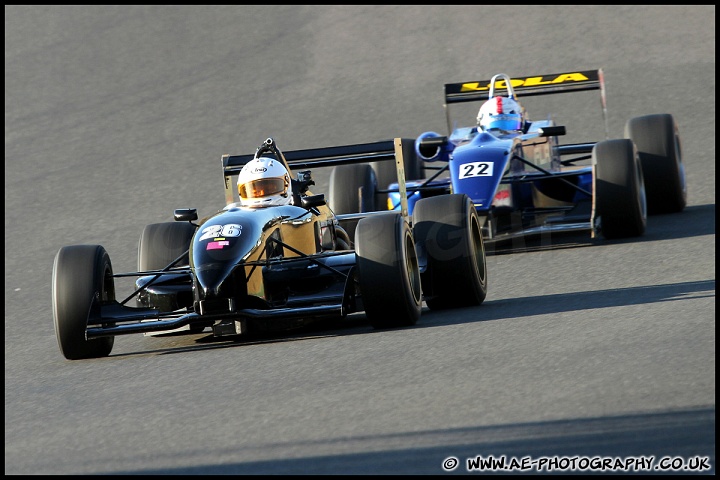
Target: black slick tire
[161,243]
[351,190]
[619,189]
[386,173]
[658,144]
[82,279]
[449,241]
[388,271]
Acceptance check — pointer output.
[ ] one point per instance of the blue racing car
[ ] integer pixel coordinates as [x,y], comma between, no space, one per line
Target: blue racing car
[521,180]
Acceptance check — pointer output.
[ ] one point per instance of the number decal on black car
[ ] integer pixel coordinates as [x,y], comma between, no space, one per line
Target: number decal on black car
[217,231]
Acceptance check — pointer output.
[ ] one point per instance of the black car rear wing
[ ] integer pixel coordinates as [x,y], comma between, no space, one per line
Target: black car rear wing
[395,149]
[528,86]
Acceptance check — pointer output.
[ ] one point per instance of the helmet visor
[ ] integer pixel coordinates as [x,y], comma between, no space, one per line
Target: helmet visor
[507,122]
[262,187]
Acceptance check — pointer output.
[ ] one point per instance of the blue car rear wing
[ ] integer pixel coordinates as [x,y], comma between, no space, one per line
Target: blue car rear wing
[395,149]
[528,86]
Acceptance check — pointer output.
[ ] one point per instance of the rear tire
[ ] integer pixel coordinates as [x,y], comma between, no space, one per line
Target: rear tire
[658,143]
[388,271]
[351,190]
[82,279]
[619,189]
[449,237]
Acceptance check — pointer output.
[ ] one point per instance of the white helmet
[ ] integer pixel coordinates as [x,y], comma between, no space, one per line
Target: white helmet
[264,182]
[501,113]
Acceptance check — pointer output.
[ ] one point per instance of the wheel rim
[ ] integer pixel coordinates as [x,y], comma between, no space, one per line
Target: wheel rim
[412,268]
[680,166]
[642,196]
[477,249]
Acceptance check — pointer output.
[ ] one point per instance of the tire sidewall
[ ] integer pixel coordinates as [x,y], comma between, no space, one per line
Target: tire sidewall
[80,282]
[388,271]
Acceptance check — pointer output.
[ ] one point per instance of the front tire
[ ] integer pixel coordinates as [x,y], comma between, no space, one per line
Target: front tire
[449,236]
[388,271]
[619,189]
[658,143]
[82,280]
[386,173]
[161,243]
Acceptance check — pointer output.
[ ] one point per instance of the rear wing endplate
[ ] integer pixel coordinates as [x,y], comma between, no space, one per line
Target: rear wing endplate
[395,149]
[528,86]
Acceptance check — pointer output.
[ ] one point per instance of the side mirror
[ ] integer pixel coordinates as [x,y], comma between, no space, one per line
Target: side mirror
[185,214]
[313,201]
[432,147]
[552,131]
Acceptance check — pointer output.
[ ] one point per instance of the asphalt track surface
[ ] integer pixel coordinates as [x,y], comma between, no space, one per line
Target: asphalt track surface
[115,116]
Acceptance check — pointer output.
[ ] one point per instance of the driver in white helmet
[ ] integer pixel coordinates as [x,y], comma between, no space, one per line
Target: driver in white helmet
[264,182]
[501,115]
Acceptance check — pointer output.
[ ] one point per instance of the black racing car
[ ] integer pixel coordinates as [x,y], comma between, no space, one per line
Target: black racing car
[247,269]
